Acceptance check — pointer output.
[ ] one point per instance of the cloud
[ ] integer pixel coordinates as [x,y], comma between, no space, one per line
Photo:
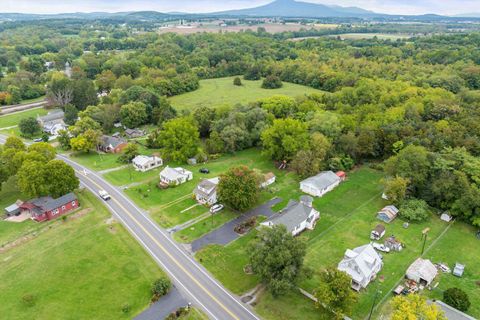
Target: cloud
[383,6]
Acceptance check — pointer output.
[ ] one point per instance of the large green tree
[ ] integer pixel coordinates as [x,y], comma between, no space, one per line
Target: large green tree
[60,178]
[334,293]
[179,139]
[133,114]
[29,127]
[277,258]
[238,188]
[283,139]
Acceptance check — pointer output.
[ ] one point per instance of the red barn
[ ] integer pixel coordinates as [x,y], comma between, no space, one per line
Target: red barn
[47,208]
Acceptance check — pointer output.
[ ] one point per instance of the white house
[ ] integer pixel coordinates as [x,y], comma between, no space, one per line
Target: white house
[362,264]
[296,216]
[268,179]
[52,122]
[320,184]
[422,271]
[175,176]
[206,191]
[145,163]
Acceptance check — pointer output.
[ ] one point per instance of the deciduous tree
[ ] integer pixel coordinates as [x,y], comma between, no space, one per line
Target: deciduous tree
[238,188]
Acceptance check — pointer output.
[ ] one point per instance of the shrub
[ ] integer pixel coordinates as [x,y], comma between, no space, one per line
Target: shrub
[237,81]
[29,300]
[126,308]
[456,298]
[160,287]
[414,210]
[272,82]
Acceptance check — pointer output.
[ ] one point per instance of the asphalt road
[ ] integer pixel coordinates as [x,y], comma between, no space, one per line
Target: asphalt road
[189,277]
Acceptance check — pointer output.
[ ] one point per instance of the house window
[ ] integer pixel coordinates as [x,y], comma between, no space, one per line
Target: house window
[63,207]
[74,203]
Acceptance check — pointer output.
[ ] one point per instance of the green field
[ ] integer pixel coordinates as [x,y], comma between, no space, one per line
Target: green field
[165,205]
[81,269]
[347,215]
[221,92]
[13,119]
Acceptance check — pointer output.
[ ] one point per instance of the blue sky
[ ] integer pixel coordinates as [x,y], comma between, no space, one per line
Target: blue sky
[447,7]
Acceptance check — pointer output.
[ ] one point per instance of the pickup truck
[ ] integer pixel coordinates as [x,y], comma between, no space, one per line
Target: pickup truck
[104,195]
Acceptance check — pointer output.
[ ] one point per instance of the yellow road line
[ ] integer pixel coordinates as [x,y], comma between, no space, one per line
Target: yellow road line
[165,251]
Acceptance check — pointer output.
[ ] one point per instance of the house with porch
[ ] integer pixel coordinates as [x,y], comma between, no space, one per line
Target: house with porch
[175,176]
[206,191]
[362,264]
[146,163]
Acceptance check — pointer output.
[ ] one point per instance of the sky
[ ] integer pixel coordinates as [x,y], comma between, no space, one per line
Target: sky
[445,7]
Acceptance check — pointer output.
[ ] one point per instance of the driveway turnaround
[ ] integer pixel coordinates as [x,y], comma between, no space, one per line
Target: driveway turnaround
[226,233]
[163,307]
[191,279]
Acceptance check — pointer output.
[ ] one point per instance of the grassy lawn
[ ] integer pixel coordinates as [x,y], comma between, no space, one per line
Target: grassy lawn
[459,244]
[165,205]
[226,263]
[204,226]
[10,231]
[13,119]
[82,269]
[102,161]
[194,314]
[128,175]
[222,93]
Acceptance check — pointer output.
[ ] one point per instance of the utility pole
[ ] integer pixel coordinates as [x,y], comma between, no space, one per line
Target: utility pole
[373,304]
[424,237]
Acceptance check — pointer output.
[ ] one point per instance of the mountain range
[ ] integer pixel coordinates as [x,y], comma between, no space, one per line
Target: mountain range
[277,8]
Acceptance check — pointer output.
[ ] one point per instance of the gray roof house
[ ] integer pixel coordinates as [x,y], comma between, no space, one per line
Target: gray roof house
[206,191]
[362,264]
[134,133]
[296,216]
[112,144]
[144,163]
[52,122]
[320,184]
[450,312]
[175,176]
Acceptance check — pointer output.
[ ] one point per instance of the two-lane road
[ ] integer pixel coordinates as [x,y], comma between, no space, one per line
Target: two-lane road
[187,274]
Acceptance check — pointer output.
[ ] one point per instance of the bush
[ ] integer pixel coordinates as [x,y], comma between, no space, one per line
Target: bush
[29,300]
[414,210]
[237,81]
[126,308]
[160,288]
[272,82]
[28,127]
[456,298]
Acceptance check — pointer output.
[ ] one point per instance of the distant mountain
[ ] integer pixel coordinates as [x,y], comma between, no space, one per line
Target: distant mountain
[291,8]
[468,15]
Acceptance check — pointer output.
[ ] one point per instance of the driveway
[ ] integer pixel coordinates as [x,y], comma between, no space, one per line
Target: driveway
[225,234]
[163,307]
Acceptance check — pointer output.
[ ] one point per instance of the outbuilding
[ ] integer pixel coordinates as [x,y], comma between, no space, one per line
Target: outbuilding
[388,214]
[422,271]
[378,232]
[320,184]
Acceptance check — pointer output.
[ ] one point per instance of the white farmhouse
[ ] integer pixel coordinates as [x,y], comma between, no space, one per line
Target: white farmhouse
[296,216]
[206,191]
[145,163]
[362,264]
[320,184]
[175,176]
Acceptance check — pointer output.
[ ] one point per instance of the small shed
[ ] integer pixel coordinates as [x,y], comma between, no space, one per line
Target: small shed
[422,271]
[342,175]
[459,269]
[446,217]
[393,244]
[388,213]
[378,232]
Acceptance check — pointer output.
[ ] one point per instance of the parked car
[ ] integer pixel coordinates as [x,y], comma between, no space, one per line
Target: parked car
[216,208]
[380,247]
[204,170]
[104,195]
